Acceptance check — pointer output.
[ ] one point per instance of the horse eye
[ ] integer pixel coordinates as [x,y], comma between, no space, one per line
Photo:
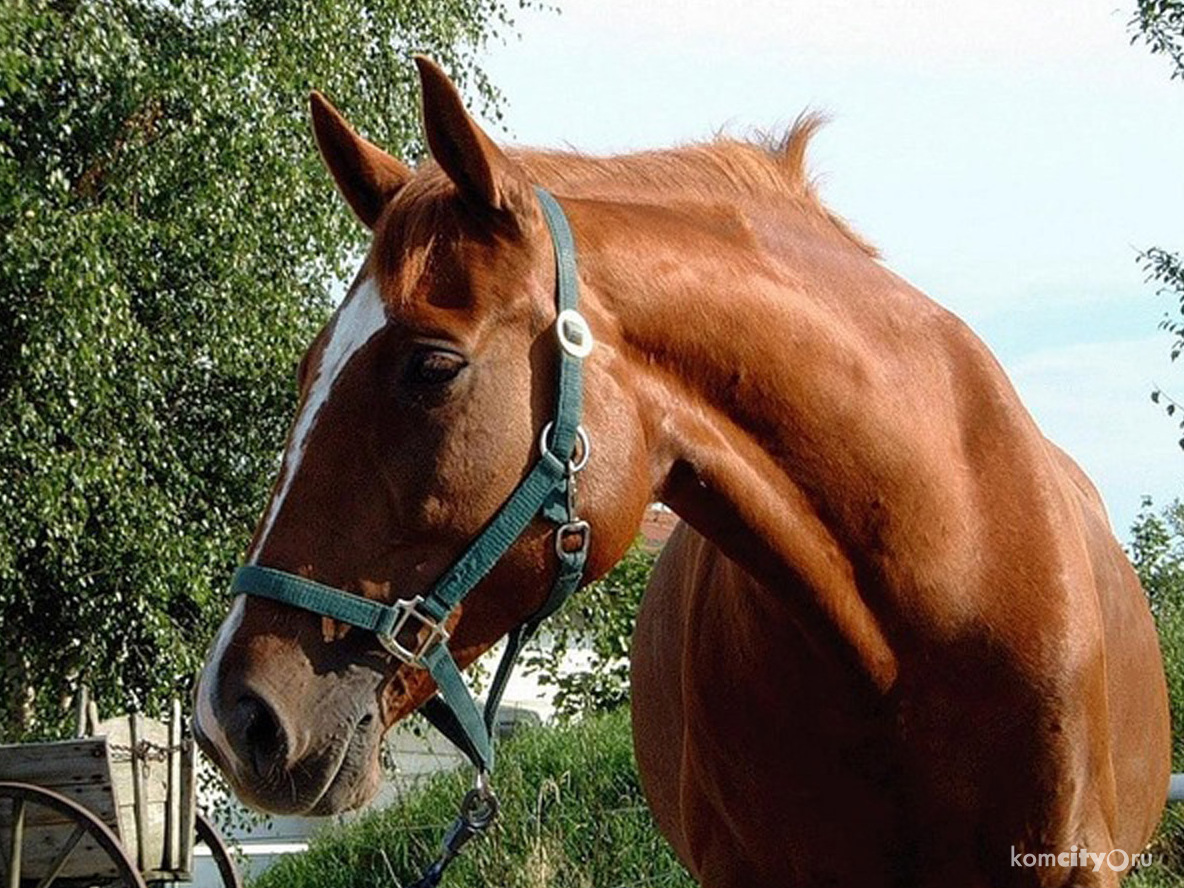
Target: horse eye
[434,367]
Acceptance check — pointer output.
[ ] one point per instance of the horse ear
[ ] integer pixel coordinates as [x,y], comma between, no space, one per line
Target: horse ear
[366,176]
[481,172]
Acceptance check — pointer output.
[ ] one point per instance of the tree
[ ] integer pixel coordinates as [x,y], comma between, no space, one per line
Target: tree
[168,246]
[599,618]
[1160,25]
[1157,553]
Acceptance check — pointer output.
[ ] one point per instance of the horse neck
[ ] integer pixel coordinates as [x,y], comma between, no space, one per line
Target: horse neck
[758,338]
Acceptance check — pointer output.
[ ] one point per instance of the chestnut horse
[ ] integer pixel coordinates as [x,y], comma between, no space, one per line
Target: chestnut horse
[895,642]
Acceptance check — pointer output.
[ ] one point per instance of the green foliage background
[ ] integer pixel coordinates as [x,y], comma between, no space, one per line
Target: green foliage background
[1159,25]
[599,619]
[1157,552]
[1157,538]
[168,246]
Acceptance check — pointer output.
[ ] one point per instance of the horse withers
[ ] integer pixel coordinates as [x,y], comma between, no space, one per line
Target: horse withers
[895,642]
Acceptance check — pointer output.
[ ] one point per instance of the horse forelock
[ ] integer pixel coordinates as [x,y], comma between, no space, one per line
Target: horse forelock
[407,237]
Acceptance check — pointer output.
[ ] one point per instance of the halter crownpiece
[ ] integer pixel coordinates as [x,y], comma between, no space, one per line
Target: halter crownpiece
[547,491]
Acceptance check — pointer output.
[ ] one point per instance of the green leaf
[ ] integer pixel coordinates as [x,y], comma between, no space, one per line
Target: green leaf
[169,244]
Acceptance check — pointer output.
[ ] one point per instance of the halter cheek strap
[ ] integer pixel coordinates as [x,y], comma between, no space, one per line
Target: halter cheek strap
[547,491]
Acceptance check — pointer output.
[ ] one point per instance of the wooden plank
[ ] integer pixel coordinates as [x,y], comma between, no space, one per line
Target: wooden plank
[188,820]
[139,791]
[146,820]
[64,763]
[95,798]
[63,857]
[170,858]
[81,703]
[80,770]
[118,734]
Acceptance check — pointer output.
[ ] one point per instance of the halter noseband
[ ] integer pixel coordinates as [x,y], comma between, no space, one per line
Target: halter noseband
[547,490]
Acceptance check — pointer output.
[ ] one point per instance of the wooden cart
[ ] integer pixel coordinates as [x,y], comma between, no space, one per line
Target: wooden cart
[115,806]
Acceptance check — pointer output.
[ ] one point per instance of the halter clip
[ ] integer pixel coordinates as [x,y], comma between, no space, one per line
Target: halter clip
[409,608]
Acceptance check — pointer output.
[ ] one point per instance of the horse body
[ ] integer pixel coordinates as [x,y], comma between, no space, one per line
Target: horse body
[766,762]
[900,642]
[912,623]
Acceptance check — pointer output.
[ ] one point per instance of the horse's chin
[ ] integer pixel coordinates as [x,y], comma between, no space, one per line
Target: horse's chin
[352,787]
[357,777]
[341,778]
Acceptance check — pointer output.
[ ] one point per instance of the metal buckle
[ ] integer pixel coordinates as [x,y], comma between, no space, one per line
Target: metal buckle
[582,452]
[575,336]
[410,608]
[564,531]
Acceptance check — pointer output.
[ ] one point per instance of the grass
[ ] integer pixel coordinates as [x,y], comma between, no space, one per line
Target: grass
[573,816]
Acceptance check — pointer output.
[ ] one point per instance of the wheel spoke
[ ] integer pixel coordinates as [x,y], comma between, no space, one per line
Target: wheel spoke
[59,862]
[4,850]
[84,821]
[17,844]
[231,878]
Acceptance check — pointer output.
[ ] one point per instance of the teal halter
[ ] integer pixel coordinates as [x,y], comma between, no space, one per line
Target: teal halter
[548,490]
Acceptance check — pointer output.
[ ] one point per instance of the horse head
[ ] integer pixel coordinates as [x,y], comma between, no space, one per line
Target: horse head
[421,406]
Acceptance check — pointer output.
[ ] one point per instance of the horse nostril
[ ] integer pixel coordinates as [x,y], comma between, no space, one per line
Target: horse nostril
[263,742]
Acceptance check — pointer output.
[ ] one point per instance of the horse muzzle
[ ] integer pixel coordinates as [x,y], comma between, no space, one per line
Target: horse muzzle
[289,737]
[277,770]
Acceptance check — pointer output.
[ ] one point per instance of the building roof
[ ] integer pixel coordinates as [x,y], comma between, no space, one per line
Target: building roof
[656,527]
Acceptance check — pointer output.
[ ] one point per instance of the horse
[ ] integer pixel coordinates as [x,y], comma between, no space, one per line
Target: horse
[892,642]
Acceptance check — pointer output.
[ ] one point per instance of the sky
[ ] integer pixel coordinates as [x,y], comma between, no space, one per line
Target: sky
[1009,158]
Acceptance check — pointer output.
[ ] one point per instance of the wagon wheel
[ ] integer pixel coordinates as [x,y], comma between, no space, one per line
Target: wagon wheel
[218,851]
[23,799]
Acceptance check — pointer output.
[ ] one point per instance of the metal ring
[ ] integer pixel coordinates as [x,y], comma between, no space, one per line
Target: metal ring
[583,451]
[479,808]
[481,782]
[575,336]
[561,534]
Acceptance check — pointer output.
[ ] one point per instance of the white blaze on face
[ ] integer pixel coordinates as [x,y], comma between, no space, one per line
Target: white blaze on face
[359,318]
[357,321]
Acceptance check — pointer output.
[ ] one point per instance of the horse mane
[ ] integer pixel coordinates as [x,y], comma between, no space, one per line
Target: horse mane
[720,168]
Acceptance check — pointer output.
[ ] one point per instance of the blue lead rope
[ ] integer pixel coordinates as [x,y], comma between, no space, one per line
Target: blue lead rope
[547,491]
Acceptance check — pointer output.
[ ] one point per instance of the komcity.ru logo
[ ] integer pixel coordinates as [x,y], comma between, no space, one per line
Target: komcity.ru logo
[1117,860]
